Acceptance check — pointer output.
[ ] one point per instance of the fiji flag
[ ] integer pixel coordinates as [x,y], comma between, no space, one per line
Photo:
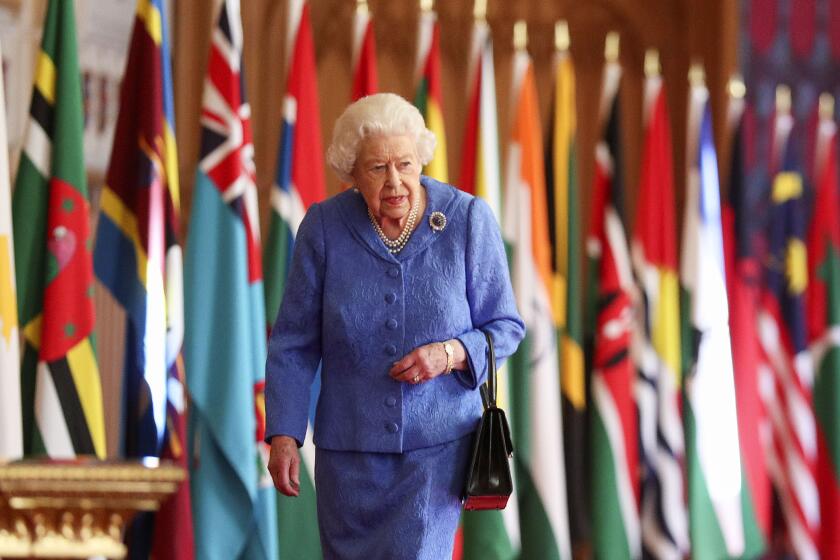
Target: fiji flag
[225,345]
[300,183]
[138,258]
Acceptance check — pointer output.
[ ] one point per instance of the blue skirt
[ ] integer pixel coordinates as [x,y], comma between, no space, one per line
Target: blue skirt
[391,505]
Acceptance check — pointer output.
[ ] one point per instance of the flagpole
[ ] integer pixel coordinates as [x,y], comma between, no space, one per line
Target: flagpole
[480,10]
[562,41]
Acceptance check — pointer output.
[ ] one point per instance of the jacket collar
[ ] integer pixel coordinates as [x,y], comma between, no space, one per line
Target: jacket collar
[439,198]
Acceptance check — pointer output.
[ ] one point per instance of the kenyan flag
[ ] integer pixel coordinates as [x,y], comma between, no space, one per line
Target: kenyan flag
[62,396]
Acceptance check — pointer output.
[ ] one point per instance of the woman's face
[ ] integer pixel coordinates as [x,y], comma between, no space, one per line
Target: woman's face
[387,173]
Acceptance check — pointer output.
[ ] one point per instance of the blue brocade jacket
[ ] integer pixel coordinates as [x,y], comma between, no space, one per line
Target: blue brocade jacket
[354,308]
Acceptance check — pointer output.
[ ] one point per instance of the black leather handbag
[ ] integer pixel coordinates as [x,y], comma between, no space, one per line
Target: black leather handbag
[489,482]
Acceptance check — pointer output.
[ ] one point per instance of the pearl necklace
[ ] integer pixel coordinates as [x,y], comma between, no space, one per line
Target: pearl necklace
[396,245]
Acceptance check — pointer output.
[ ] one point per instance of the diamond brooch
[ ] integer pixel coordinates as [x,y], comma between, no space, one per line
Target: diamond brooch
[437,221]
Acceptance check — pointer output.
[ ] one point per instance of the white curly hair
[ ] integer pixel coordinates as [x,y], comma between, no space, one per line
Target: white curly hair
[382,113]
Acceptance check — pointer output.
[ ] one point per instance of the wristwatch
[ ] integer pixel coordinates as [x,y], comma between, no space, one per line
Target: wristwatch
[450,357]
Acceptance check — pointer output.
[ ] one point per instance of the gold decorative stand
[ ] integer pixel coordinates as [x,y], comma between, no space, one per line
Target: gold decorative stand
[77,508]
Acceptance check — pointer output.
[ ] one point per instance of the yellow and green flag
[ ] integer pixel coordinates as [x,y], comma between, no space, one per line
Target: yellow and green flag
[428,97]
[61,390]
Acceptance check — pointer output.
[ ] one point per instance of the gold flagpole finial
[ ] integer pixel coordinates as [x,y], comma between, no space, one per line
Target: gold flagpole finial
[696,74]
[520,35]
[783,99]
[480,10]
[826,106]
[736,87]
[427,5]
[362,7]
[611,46]
[562,41]
[652,68]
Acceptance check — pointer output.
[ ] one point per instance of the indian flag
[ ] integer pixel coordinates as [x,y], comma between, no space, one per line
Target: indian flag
[61,391]
[486,534]
[300,183]
[428,97]
[11,429]
[534,369]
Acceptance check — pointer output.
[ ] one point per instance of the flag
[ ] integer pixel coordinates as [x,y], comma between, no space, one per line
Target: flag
[536,415]
[234,501]
[717,522]
[823,305]
[364,54]
[300,183]
[613,431]
[787,372]
[480,173]
[486,534]
[564,229]
[61,391]
[664,518]
[743,278]
[138,258]
[428,97]
[11,428]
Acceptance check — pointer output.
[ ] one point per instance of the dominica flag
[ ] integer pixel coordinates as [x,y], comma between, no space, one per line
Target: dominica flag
[428,97]
[613,435]
[300,183]
[11,428]
[61,391]
[663,512]
[788,385]
[823,300]
[365,80]
[719,526]
[138,258]
[564,229]
[234,501]
[533,369]
[486,534]
[743,278]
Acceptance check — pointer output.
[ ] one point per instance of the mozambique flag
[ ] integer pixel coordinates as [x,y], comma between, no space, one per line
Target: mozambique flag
[564,230]
[613,434]
[787,393]
[492,535]
[234,501]
[138,258]
[61,392]
[11,428]
[300,183]
[664,517]
[743,276]
[535,391]
[719,527]
[428,97]
[365,78]
[823,302]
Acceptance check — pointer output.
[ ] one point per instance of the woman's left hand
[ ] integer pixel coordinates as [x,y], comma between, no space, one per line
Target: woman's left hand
[426,362]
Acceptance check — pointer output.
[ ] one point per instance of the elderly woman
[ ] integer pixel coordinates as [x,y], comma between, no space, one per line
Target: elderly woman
[391,285]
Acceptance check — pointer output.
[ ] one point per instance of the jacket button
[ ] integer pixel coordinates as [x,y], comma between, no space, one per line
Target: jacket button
[391,350]
[391,401]
[392,427]
[393,272]
[390,298]
[392,324]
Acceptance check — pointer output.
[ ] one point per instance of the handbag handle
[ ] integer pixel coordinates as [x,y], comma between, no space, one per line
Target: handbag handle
[492,382]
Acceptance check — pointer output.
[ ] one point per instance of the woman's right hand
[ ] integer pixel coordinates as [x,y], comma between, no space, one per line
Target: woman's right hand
[284,465]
